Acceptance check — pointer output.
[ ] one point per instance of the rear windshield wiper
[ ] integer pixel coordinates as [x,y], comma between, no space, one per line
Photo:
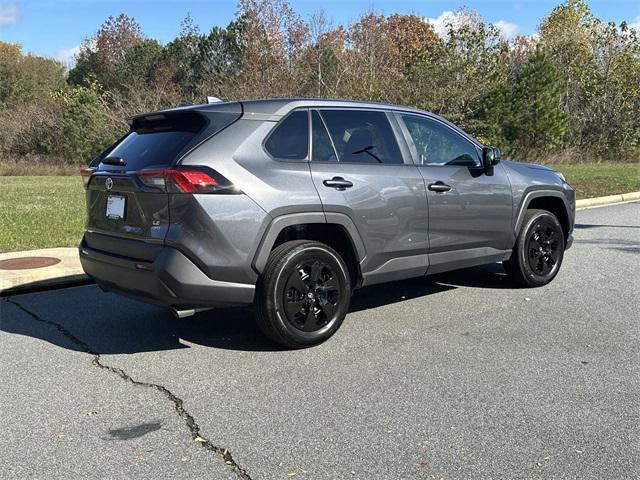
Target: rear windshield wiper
[114,161]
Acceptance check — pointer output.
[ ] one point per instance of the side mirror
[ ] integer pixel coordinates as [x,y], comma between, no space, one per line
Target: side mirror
[490,156]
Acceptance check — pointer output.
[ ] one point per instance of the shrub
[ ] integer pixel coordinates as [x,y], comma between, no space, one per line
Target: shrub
[84,126]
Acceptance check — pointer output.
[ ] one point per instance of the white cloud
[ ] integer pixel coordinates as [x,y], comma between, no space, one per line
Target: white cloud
[67,56]
[468,17]
[9,14]
[507,29]
[440,24]
[636,23]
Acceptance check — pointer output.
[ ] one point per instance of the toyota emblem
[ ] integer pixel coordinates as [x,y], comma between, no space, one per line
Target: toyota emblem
[108,183]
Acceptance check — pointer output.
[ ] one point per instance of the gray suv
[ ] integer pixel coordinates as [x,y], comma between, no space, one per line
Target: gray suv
[291,204]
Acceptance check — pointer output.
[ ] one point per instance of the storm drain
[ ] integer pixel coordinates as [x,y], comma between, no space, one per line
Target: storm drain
[26,263]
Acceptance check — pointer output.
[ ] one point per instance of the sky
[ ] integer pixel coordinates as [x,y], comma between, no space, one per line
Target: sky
[56,28]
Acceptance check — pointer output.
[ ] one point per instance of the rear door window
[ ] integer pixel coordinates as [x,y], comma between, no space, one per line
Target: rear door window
[321,145]
[290,139]
[362,136]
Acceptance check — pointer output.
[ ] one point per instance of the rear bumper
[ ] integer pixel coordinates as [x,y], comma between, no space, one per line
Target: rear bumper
[171,280]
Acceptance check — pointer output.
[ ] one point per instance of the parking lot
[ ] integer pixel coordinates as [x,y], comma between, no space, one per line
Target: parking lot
[458,375]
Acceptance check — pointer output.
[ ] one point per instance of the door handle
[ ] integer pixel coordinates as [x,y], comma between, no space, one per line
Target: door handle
[439,187]
[338,183]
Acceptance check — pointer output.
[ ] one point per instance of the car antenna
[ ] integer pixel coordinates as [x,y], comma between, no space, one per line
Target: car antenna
[213,99]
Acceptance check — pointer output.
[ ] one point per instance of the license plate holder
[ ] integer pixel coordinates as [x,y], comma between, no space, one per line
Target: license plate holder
[115,207]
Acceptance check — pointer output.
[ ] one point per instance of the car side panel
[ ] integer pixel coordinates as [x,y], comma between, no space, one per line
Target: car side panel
[477,212]
[387,204]
[217,233]
[531,181]
[271,189]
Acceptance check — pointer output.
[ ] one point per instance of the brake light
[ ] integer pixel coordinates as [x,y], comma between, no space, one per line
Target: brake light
[187,180]
[85,173]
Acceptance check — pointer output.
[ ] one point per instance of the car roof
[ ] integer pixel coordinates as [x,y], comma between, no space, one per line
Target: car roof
[279,107]
[274,109]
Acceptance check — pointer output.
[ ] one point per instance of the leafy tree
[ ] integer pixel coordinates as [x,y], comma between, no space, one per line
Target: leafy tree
[273,37]
[180,55]
[101,55]
[87,66]
[26,78]
[84,124]
[321,67]
[410,35]
[600,64]
[609,118]
[370,59]
[455,74]
[217,63]
[137,66]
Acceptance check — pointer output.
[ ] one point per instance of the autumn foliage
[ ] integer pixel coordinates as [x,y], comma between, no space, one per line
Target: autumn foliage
[571,92]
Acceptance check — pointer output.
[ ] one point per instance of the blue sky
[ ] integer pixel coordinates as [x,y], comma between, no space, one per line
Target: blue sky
[55,27]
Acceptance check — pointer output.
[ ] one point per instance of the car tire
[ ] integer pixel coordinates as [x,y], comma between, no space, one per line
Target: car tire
[303,294]
[539,250]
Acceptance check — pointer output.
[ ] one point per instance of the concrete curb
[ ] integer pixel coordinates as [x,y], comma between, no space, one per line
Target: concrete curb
[608,200]
[65,273]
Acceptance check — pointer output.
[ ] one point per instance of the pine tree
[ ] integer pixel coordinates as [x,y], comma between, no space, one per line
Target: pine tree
[538,120]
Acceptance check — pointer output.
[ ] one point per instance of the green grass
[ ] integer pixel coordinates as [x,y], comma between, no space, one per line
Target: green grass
[40,212]
[600,179]
[43,212]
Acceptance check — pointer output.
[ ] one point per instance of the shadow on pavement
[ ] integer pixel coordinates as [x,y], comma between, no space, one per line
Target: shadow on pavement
[111,324]
[135,431]
[585,226]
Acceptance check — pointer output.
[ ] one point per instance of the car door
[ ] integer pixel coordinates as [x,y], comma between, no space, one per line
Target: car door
[360,171]
[470,208]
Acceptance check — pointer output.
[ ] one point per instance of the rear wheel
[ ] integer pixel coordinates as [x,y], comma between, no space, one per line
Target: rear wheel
[303,294]
[539,250]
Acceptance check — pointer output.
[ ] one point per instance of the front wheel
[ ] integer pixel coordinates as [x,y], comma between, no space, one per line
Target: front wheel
[303,294]
[539,250]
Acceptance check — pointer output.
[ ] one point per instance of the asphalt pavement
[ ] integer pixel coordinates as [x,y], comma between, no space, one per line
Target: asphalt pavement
[456,376]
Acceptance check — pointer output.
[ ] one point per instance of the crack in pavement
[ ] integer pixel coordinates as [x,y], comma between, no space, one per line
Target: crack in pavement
[178,403]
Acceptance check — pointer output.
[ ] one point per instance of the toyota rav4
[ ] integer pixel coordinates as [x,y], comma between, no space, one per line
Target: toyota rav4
[291,204]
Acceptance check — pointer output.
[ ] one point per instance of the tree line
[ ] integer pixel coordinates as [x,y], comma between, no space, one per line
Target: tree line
[570,92]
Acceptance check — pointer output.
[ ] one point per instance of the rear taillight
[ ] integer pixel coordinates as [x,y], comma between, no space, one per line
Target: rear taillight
[85,173]
[187,180]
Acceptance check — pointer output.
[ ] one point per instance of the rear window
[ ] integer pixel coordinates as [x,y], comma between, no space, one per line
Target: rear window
[142,150]
[290,139]
[159,140]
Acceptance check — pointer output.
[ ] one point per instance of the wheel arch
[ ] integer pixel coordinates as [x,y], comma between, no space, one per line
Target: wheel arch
[550,200]
[334,229]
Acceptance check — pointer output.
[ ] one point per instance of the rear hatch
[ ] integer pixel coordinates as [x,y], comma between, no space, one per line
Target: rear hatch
[128,185]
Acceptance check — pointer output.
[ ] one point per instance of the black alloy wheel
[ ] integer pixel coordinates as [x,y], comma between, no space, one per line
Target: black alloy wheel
[303,294]
[543,247]
[539,250]
[311,296]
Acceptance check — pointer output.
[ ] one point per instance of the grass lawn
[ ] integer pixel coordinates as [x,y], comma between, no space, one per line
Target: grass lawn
[42,212]
[598,180]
